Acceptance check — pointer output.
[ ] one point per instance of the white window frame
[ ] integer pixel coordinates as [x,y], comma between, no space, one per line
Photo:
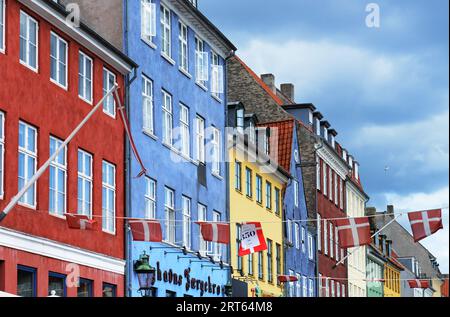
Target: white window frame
[216,248]
[170,217]
[333,291]
[327,287]
[325,237]
[2,154]
[319,232]
[336,237]
[58,167]
[311,287]
[291,284]
[338,289]
[289,230]
[185,131]
[331,234]
[298,286]
[107,74]
[33,153]
[148,21]
[343,290]
[109,186]
[216,151]
[183,40]
[82,73]
[187,216]
[201,63]
[303,240]
[58,59]
[330,183]
[310,246]
[3,26]
[166,20]
[216,76]
[148,109]
[341,193]
[297,235]
[296,193]
[305,286]
[336,189]
[26,62]
[318,174]
[86,179]
[202,214]
[325,179]
[150,198]
[200,139]
[167,107]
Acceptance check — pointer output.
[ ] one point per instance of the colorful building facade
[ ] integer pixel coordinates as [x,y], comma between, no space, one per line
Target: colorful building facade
[52,76]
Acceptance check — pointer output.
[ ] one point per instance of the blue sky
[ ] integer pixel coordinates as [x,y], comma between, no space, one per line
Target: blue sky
[385,90]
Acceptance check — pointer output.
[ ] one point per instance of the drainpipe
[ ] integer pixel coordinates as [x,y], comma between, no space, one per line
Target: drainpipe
[319,282]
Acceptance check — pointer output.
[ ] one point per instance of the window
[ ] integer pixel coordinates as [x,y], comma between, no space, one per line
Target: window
[109,290]
[341,193]
[330,183]
[325,179]
[250,265]
[249,182]
[57,179]
[109,197]
[148,20]
[109,81]
[332,289]
[338,289]
[184,48]
[186,205]
[240,119]
[291,284]
[167,118]
[200,137]
[261,265]
[289,230]
[27,162]
[259,189]
[148,106]
[270,260]
[170,215]
[268,195]
[85,288]
[56,284]
[327,287]
[185,131]
[202,218]
[216,247]
[303,240]
[215,143]
[331,233]
[84,183]
[343,291]
[2,25]
[311,287]
[166,39]
[325,237]
[238,176]
[336,189]
[216,76]
[319,232]
[2,152]
[278,260]
[238,245]
[310,246]
[296,191]
[85,77]
[297,236]
[58,60]
[28,41]
[336,243]
[318,176]
[305,286]
[201,62]
[150,198]
[298,286]
[26,281]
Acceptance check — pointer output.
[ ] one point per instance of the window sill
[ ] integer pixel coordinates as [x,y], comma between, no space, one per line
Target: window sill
[217,176]
[2,51]
[27,206]
[239,192]
[150,135]
[111,233]
[149,43]
[201,86]
[62,217]
[58,84]
[216,98]
[112,116]
[168,59]
[185,72]
[36,70]
[249,198]
[86,101]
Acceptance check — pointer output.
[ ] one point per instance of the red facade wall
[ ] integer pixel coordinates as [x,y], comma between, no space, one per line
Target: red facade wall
[444,288]
[33,98]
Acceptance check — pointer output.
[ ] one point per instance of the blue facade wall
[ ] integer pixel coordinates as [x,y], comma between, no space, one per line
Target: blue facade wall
[179,176]
[296,260]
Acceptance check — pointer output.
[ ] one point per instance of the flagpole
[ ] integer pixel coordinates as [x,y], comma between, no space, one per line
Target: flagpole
[374,235]
[42,169]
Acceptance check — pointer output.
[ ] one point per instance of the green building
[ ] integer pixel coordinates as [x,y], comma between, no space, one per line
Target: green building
[375,272]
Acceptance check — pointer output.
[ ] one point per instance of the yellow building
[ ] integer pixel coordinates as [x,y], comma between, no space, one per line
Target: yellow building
[392,284]
[256,196]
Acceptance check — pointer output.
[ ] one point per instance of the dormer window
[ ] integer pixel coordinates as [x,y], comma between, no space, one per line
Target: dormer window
[251,131]
[357,171]
[267,142]
[311,117]
[317,126]
[240,120]
[344,155]
[333,141]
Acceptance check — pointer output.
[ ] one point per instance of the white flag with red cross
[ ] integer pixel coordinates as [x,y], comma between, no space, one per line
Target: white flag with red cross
[353,232]
[425,223]
[215,232]
[252,239]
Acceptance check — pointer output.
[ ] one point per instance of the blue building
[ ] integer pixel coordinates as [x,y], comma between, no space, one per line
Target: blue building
[177,110]
[300,236]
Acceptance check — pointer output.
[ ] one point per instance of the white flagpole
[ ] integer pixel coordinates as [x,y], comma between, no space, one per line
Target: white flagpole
[42,169]
[350,253]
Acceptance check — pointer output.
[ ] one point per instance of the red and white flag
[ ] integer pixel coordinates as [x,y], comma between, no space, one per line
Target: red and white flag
[419,284]
[252,239]
[215,232]
[425,223]
[146,230]
[287,278]
[353,232]
[80,222]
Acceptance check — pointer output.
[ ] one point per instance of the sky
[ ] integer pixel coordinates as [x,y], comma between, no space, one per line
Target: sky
[384,89]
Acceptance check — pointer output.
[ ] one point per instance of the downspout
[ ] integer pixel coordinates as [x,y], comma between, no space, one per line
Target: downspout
[319,282]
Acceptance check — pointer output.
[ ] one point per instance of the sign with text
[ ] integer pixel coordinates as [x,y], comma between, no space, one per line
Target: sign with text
[252,239]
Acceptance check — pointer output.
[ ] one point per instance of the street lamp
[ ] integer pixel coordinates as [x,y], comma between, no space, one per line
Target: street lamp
[145,273]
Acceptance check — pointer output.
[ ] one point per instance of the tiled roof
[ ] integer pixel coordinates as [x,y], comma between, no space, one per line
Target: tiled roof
[285,137]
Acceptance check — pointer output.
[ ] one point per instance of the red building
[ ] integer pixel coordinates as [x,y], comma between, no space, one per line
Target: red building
[51,76]
[444,286]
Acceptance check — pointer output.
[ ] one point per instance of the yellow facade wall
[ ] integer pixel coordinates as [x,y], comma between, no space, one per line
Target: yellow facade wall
[247,209]
[392,287]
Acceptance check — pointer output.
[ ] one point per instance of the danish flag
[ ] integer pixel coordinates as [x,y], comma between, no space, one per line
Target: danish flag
[353,232]
[419,284]
[287,279]
[252,239]
[425,223]
[215,232]
[146,230]
[80,222]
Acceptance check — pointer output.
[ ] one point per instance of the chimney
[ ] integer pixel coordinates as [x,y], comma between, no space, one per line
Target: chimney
[288,90]
[370,212]
[389,214]
[269,80]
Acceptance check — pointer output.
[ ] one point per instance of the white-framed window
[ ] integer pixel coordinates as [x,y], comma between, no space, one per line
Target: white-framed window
[298,286]
[201,62]
[148,20]
[289,230]
[185,131]
[169,204]
[150,198]
[109,197]
[291,284]
[167,118]
[85,66]
[336,189]
[311,287]
[331,234]
[216,247]
[84,183]
[341,193]
[27,162]
[148,115]
[318,174]
[186,206]
[297,236]
[325,179]
[217,86]
[336,243]
[296,193]
[305,286]
[303,240]
[58,60]
[202,217]
[2,153]
[333,294]
[200,137]
[310,246]
[338,289]
[327,287]
[109,81]
[325,237]
[29,42]
[319,232]
[343,290]
[2,25]
[215,144]
[184,47]
[57,179]
[166,38]
[330,184]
